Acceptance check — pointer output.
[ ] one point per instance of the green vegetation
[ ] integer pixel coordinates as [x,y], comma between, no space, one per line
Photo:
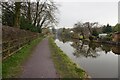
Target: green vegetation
[107,29]
[31,16]
[108,37]
[116,28]
[12,66]
[24,24]
[81,37]
[65,67]
[95,33]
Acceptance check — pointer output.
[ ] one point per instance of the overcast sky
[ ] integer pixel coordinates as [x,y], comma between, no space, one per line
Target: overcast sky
[102,11]
[74,11]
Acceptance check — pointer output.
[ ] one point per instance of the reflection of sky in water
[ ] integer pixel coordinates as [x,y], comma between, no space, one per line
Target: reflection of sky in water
[102,66]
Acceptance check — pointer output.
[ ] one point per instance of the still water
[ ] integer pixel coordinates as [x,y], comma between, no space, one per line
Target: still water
[0,48]
[98,60]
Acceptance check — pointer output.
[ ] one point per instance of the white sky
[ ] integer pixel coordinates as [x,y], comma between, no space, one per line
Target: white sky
[73,11]
[102,11]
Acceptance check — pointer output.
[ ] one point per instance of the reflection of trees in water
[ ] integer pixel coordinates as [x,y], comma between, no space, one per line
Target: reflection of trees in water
[106,48]
[89,49]
[85,50]
[116,49]
[113,48]
[64,39]
[92,49]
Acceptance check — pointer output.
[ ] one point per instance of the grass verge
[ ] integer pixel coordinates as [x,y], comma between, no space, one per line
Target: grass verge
[12,66]
[64,66]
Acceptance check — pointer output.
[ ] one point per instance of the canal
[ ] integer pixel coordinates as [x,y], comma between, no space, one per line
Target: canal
[98,60]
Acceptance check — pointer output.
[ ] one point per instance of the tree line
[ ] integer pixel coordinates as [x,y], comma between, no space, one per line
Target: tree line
[94,28]
[29,15]
[88,30]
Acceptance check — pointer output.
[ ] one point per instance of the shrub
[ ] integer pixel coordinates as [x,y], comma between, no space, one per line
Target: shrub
[108,37]
[24,24]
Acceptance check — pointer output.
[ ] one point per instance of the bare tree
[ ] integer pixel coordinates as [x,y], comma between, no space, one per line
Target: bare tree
[41,13]
[79,28]
[17,14]
[29,11]
[46,16]
[36,12]
[90,26]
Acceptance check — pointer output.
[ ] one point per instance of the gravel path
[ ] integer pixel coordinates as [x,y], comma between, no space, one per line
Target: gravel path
[40,64]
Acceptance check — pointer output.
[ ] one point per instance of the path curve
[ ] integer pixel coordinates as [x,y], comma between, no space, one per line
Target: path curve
[40,64]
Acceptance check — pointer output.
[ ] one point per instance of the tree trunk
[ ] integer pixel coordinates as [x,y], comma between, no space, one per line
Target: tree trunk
[17,14]
[38,22]
[36,14]
[42,22]
[89,29]
[29,13]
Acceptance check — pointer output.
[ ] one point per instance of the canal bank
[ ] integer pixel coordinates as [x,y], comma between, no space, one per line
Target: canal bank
[108,42]
[98,60]
[65,67]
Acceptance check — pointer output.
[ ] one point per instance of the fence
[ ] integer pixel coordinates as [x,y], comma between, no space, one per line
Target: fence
[14,39]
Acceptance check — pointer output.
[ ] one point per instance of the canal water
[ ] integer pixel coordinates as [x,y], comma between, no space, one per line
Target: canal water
[98,60]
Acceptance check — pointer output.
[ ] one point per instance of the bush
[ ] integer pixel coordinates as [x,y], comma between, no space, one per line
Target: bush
[95,33]
[108,37]
[116,28]
[24,24]
[7,18]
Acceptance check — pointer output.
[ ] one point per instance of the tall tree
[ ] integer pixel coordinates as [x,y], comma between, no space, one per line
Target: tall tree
[29,12]
[29,15]
[107,29]
[41,13]
[90,26]
[46,14]
[36,13]
[78,28]
[17,14]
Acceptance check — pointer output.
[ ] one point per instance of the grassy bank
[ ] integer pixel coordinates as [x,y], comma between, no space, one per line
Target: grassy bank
[64,66]
[12,66]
